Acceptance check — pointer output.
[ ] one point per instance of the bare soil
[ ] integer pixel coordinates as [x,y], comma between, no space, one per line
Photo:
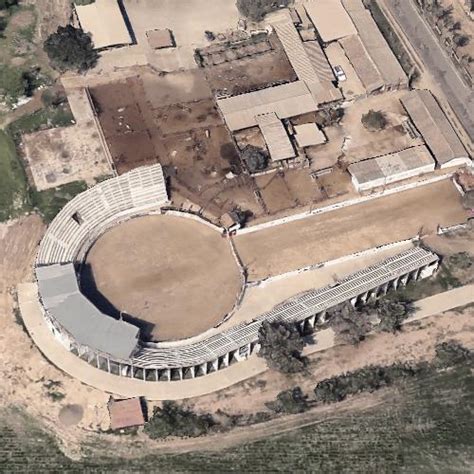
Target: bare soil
[176,276]
[331,235]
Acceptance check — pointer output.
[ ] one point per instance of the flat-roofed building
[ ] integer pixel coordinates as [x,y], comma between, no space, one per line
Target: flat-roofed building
[390,168]
[375,45]
[275,135]
[104,21]
[323,90]
[287,100]
[437,132]
[126,413]
[330,19]
[308,134]
[158,39]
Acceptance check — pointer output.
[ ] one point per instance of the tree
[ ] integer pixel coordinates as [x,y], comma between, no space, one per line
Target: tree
[255,158]
[173,420]
[460,39]
[374,120]
[281,345]
[5,4]
[256,9]
[349,325]
[290,401]
[392,310]
[70,48]
[468,200]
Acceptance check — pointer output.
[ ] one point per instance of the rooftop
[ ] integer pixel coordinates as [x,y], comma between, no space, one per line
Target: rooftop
[276,137]
[104,21]
[330,19]
[308,134]
[125,413]
[433,125]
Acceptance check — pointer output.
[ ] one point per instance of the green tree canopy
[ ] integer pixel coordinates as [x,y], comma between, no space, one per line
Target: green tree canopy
[71,48]
[281,345]
[256,9]
[255,158]
[374,120]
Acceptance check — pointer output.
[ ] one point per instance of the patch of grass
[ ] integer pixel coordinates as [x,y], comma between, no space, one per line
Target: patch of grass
[13,183]
[48,117]
[49,202]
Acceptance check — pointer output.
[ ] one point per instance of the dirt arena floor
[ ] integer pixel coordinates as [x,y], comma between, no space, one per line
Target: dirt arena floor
[331,235]
[176,275]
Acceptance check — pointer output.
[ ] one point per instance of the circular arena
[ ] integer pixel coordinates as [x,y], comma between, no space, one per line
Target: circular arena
[162,269]
[175,273]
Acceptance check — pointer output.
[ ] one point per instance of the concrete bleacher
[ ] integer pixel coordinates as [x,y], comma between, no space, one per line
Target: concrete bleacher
[294,310]
[140,189]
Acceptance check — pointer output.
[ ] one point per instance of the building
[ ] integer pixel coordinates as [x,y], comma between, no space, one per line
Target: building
[158,39]
[434,127]
[287,100]
[275,136]
[125,413]
[308,134]
[104,21]
[310,70]
[371,49]
[390,168]
[330,19]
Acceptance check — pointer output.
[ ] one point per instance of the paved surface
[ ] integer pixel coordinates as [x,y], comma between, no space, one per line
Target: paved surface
[75,367]
[443,71]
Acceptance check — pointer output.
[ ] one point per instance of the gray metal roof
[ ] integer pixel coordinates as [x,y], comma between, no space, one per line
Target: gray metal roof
[59,291]
[275,135]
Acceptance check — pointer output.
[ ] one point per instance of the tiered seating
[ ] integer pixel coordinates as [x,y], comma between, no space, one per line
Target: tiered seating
[90,211]
[294,310]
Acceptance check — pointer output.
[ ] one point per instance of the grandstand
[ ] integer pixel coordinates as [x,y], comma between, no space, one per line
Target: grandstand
[114,345]
[81,219]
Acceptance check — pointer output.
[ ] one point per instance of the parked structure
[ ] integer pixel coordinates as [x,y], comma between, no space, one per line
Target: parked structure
[308,134]
[125,413]
[393,167]
[437,132]
[275,135]
[103,20]
[287,100]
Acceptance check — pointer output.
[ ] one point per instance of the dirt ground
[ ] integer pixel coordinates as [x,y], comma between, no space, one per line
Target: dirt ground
[331,235]
[175,274]
[256,72]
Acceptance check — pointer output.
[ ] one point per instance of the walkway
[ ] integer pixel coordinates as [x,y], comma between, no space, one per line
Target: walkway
[125,387]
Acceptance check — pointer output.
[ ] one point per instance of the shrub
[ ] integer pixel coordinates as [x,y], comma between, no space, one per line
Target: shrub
[255,158]
[289,401]
[391,310]
[70,48]
[451,353]
[374,120]
[256,9]
[173,420]
[281,345]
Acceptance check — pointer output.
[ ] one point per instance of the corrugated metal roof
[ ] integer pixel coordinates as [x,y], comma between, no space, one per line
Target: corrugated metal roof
[104,21]
[276,138]
[433,125]
[375,44]
[362,64]
[330,19]
[319,61]
[388,166]
[59,291]
[287,100]
[322,90]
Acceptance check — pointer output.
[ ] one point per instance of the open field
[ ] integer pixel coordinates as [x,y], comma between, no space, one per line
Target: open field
[331,235]
[148,268]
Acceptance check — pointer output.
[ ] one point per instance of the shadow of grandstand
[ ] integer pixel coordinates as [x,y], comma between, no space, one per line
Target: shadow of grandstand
[92,293]
[127,21]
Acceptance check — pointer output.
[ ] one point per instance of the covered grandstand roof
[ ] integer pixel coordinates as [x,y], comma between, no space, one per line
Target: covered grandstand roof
[323,90]
[287,100]
[103,20]
[392,166]
[276,137]
[296,309]
[435,128]
[64,302]
[330,19]
[374,44]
